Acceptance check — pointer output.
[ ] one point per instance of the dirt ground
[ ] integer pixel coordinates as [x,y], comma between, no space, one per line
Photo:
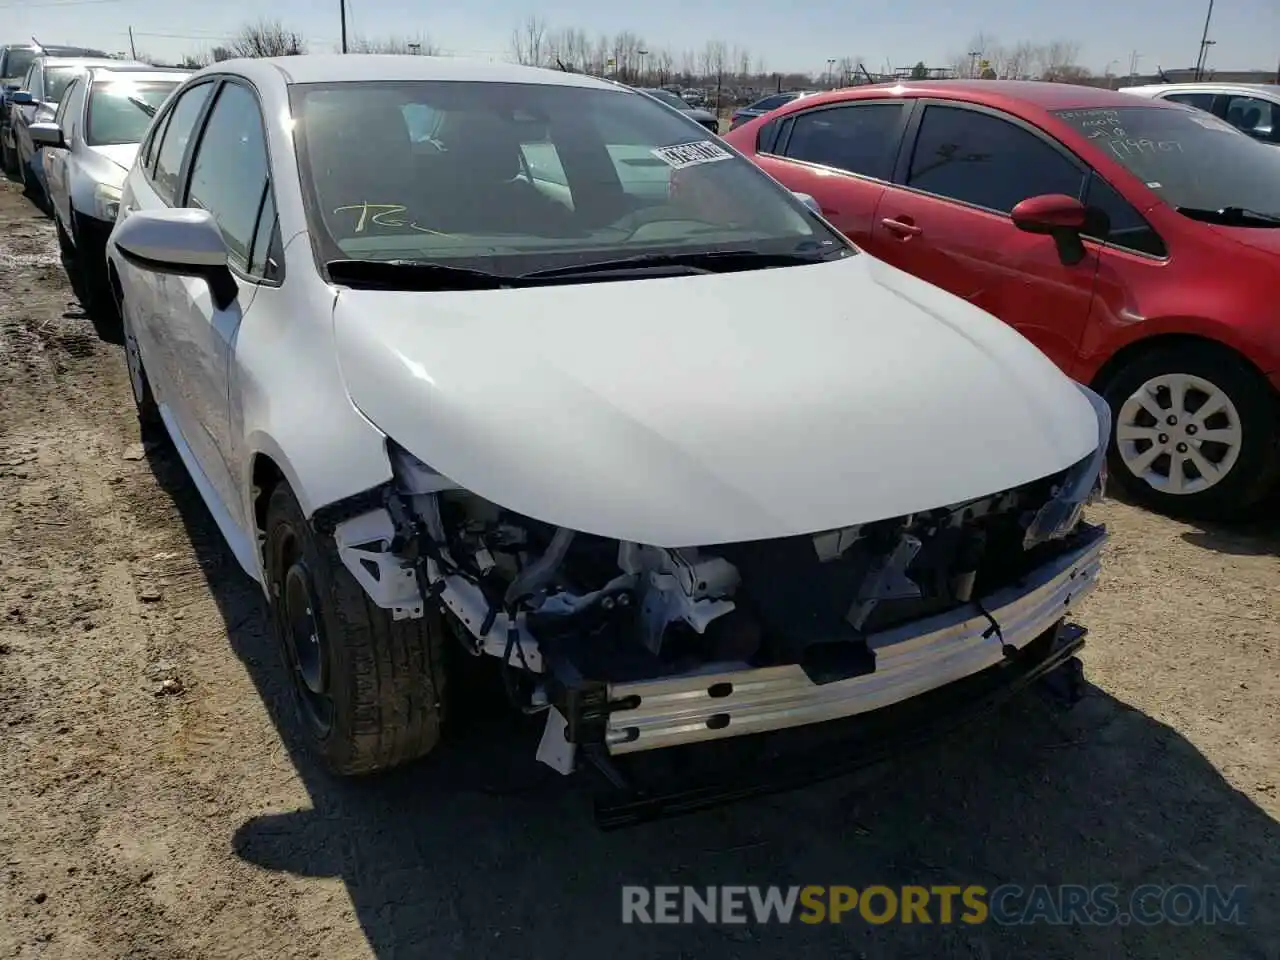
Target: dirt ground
[150,807]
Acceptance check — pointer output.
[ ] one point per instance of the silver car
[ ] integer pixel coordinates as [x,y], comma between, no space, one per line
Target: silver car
[88,148]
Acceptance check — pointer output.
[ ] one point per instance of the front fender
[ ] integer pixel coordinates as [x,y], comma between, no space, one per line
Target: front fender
[289,403]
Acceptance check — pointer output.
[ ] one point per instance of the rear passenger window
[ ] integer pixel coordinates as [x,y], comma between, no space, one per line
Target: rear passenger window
[772,103]
[177,134]
[1202,100]
[976,158]
[860,139]
[147,153]
[229,172]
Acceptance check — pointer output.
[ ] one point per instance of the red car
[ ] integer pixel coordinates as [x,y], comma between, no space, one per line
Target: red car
[1136,242]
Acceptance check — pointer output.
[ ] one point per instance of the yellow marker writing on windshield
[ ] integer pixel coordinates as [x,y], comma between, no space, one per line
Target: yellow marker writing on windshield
[387,215]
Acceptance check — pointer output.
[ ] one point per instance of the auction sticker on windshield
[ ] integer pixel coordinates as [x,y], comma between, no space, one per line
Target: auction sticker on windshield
[680,155]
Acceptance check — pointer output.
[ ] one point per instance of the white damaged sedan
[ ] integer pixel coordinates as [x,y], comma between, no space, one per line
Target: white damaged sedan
[519,361]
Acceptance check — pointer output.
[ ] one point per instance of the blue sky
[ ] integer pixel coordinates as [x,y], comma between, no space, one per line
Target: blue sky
[789,37]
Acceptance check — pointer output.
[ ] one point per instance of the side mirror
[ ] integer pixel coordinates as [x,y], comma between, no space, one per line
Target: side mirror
[22,98]
[1058,216]
[808,201]
[47,134]
[183,242]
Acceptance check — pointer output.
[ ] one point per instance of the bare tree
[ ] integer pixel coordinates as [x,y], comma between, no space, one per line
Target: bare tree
[392,44]
[266,38]
[1058,60]
[742,63]
[528,42]
[220,53]
[194,61]
[688,64]
[664,64]
[848,68]
[1018,63]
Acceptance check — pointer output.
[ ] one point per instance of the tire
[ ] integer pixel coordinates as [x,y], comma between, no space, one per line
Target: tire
[88,262]
[368,690]
[1246,456]
[150,424]
[65,246]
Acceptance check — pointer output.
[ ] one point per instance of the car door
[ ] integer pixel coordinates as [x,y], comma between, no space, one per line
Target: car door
[160,333]
[842,156]
[228,176]
[57,160]
[947,220]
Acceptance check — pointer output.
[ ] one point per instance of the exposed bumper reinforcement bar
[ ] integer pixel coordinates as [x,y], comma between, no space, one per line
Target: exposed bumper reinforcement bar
[911,660]
[845,745]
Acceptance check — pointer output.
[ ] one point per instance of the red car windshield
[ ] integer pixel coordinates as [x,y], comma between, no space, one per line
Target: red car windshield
[1189,158]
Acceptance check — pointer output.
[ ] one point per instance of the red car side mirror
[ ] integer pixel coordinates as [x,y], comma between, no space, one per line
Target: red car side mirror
[1049,212]
[1058,216]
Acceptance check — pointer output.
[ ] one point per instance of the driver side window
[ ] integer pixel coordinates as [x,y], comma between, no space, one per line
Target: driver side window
[229,172]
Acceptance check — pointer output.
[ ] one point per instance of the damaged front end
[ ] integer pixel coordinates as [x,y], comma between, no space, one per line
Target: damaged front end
[630,647]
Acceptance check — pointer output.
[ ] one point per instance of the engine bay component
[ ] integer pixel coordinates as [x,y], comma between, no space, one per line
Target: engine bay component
[567,611]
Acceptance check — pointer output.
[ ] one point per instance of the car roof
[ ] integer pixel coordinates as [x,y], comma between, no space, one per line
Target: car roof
[1041,93]
[55,50]
[176,74]
[86,62]
[1204,86]
[360,67]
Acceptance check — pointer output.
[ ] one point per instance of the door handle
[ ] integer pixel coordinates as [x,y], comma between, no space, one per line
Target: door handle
[901,228]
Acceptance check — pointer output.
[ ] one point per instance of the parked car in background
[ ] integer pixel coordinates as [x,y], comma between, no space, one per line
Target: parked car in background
[1253,108]
[427,402]
[89,146]
[1136,242]
[15,60]
[36,102]
[704,117]
[764,105]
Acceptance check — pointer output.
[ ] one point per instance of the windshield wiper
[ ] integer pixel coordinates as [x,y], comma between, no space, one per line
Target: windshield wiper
[1231,216]
[412,275]
[714,261]
[142,105]
[425,275]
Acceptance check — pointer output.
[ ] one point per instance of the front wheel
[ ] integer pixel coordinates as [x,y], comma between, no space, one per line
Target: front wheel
[369,690]
[1195,431]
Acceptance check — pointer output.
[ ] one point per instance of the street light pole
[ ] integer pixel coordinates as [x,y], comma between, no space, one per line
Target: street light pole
[342,12]
[1204,41]
[973,62]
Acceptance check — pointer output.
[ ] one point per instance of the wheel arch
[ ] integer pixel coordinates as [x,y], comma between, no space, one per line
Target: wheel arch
[267,466]
[1136,348]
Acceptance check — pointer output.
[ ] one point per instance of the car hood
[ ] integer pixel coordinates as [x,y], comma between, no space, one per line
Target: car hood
[120,154]
[697,113]
[1265,239]
[714,408]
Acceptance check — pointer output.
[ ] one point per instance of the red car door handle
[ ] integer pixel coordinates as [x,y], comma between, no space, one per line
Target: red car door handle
[902,229]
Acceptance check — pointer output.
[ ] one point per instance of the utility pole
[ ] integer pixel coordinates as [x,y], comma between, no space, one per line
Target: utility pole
[133,52]
[342,10]
[1204,42]
[1133,64]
